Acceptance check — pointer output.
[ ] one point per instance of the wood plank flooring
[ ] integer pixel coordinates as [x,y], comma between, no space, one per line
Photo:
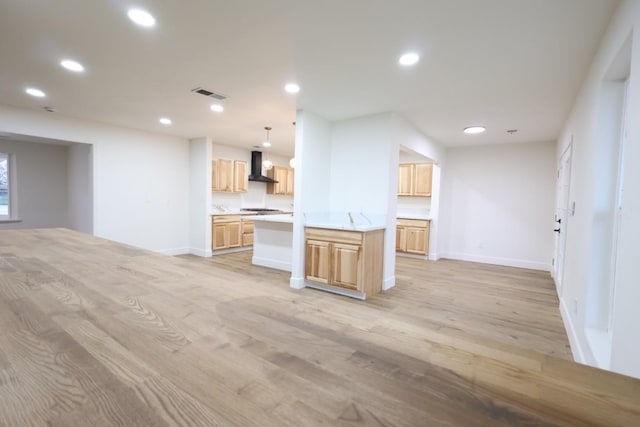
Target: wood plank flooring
[96,333]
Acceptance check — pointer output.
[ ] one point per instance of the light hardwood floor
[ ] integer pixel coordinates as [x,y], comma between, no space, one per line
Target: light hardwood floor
[97,333]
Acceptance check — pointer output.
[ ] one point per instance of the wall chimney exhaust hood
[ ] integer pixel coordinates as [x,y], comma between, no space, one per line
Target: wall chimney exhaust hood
[256,169]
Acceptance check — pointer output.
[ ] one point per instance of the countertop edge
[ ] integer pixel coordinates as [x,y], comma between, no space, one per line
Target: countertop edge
[362,228]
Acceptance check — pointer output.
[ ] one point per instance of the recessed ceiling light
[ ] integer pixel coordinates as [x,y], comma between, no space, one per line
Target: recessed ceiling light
[266,144]
[217,108]
[141,17]
[292,88]
[409,59]
[165,121]
[72,65]
[35,92]
[474,129]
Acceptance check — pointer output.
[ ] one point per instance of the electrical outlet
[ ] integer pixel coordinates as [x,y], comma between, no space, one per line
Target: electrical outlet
[575,306]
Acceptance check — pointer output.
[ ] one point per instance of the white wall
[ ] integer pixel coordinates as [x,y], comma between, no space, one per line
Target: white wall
[584,127]
[141,179]
[41,184]
[312,182]
[364,176]
[199,196]
[408,136]
[80,184]
[498,204]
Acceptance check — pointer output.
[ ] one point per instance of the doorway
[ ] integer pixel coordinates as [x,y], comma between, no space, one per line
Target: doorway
[562,214]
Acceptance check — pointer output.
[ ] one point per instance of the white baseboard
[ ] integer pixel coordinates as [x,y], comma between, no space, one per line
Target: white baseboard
[389,283]
[175,251]
[271,263]
[414,256]
[296,282]
[335,290]
[509,262]
[574,342]
[200,252]
[232,250]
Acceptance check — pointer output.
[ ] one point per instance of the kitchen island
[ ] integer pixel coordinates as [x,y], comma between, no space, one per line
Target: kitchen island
[272,240]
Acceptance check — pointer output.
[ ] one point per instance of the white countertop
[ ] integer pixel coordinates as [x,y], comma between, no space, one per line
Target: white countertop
[214,211]
[352,221]
[414,215]
[272,218]
[343,226]
[231,212]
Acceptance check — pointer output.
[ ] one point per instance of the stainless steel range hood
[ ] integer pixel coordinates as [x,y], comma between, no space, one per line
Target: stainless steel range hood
[256,169]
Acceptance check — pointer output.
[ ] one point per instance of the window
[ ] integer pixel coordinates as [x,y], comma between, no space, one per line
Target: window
[4,186]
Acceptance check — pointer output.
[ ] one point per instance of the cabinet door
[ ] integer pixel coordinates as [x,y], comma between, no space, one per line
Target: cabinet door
[416,240]
[422,179]
[316,268]
[222,175]
[220,237]
[345,266]
[281,177]
[235,234]
[240,176]
[401,239]
[405,180]
[247,239]
[290,181]
[215,172]
[247,232]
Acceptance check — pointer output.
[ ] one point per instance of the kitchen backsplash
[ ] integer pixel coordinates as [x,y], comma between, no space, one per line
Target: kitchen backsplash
[256,197]
[414,203]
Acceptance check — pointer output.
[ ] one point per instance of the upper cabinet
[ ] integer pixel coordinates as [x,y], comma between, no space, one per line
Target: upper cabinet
[231,176]
[285,178]
[241,177]
[414,179]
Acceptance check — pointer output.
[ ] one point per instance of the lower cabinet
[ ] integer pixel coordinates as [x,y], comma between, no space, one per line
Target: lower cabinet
[247,232]
[412,236]
[345,259]
[317,259]
[227,232]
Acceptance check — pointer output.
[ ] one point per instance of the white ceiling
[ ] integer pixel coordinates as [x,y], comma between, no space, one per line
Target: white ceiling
[505,64]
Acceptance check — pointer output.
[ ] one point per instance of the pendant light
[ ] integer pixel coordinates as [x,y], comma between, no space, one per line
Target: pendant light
[292,161]
[267,164]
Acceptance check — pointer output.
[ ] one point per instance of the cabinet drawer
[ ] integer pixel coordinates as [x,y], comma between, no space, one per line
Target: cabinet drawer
[247,239]
[247,226]
[413,222]
[222,219]
[338,236]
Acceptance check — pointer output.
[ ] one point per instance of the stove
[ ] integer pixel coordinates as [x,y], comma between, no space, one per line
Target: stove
[263,211]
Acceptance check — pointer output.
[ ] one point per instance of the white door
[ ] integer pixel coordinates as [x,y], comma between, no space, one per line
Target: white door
[619,199]
[562,213]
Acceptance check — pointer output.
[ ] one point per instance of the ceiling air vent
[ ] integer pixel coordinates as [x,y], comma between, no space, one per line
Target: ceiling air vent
[209,93]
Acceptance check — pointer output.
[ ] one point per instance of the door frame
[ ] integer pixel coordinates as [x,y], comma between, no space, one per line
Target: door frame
[561,238]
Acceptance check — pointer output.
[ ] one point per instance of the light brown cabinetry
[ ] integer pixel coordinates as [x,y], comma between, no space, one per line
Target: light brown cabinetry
[345,259]
[317,259]
[240,176]
[247,232]
[285,178]
[412,236]
[230,176]
[226,232]
[415,179]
